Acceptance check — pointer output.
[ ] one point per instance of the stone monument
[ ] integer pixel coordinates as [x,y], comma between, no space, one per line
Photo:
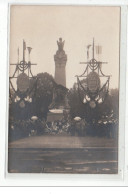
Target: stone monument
[59,103]
[60,59]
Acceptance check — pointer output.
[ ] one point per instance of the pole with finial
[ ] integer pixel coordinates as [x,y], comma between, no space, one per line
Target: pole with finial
[24,48]
[18,60]
[93,49]
[18,55]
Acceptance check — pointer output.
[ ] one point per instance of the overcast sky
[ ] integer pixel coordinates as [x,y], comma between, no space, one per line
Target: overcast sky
[42,26]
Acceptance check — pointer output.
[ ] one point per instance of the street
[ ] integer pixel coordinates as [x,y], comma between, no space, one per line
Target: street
[31,156]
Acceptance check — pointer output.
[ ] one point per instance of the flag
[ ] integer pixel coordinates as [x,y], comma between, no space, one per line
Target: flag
[89,46]
[29,49]
[88,50]
[98,49]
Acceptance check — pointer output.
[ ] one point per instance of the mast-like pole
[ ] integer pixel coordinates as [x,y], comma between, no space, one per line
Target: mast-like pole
[23,52]
[18,60]
[24,48]
[18,55]
[93,49]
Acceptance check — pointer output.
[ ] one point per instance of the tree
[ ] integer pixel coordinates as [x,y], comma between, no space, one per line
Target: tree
[46,93]
[42,93]
[114,93]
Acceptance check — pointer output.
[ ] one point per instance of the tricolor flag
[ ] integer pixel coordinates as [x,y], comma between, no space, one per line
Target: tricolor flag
[98,50]
[88,50]
[29,49]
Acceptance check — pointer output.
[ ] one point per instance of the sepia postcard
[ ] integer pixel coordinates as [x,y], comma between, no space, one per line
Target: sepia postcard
[64,67]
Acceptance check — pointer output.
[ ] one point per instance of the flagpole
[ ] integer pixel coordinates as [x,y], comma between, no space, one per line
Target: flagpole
[24,47]
[87,54]
[23,50]
[18,60]
[18,55]
[93,49]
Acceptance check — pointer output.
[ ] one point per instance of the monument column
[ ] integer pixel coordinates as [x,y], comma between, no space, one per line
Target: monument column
[60,59]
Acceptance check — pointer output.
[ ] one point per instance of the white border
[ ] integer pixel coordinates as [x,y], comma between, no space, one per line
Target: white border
[62,179]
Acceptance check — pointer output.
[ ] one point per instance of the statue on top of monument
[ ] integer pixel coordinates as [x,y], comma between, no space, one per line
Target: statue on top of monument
[60,57]
[60,44]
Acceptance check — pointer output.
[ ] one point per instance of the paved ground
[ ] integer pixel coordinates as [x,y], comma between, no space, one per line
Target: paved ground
[63,154]
[65,141]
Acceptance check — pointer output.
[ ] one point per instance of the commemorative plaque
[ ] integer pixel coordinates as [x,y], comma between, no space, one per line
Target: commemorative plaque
[93,81]
[23,82]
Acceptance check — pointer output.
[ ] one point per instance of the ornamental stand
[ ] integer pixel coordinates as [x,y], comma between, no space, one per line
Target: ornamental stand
[90,84]
[22,75]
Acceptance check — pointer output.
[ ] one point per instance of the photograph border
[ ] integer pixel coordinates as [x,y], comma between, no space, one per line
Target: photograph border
[84,179]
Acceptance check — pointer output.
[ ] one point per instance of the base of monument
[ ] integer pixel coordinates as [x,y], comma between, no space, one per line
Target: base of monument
[55,115]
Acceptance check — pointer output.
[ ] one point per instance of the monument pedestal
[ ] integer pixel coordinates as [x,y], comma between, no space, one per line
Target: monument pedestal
[55,115]
[57,109]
